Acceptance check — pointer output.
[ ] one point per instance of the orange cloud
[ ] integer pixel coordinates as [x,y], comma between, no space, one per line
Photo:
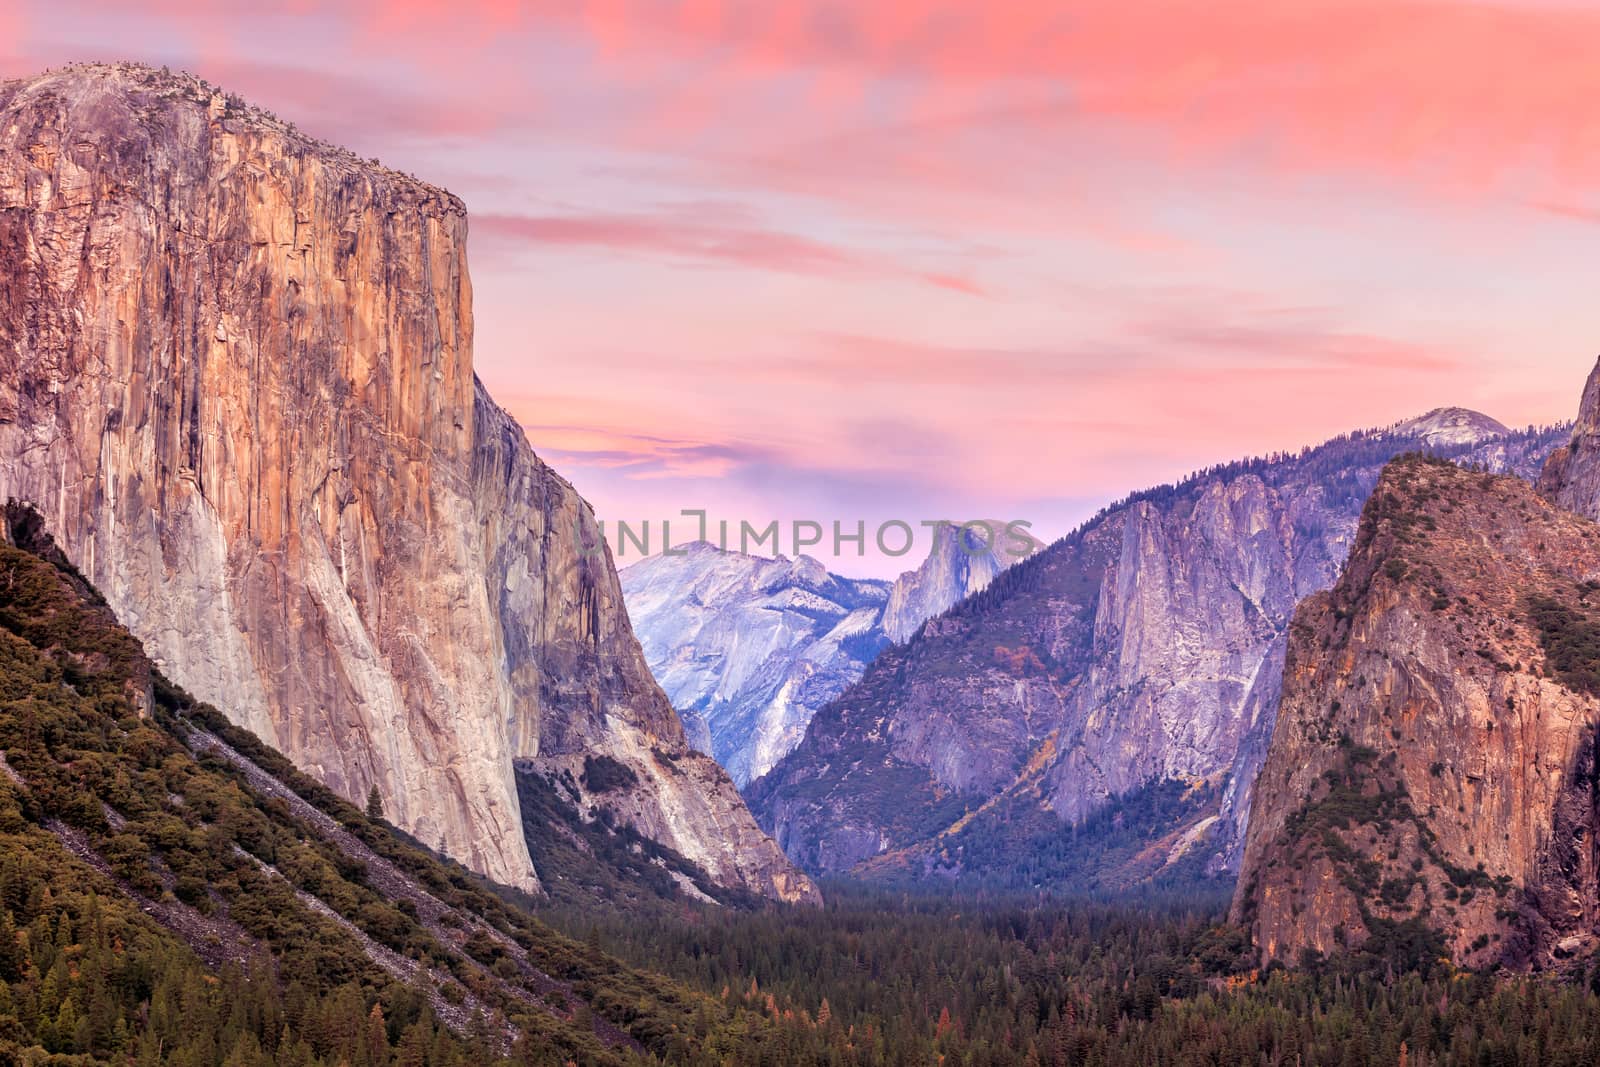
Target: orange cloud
[1010,124]
[345,108]
[674,236]
[955,284]
[1466,92]
[635,455]
[1174,382]
[1150,350]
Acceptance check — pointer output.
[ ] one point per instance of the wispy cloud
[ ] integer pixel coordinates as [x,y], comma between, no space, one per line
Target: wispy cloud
[1454,92]
[342,106]
[1457,90]
[1160,390]
[636,455]
[955,284]
[1294,343]
[1576,212]
[707,235]
[674,236]
[1155,336]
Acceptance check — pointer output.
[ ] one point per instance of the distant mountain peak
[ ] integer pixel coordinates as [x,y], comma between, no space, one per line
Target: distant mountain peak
[749,647]
[1451,426]
[964,559]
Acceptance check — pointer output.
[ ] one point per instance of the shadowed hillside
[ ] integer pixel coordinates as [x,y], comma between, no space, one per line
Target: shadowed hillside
[172,890]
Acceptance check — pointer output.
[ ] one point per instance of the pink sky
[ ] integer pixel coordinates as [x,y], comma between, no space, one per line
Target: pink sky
[858,261]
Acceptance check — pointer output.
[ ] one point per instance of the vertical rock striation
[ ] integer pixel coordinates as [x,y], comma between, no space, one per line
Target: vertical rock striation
[236,380]
[964,559]
[1430,788]
[1571,478]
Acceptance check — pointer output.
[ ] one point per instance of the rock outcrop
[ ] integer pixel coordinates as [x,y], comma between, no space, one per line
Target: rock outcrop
[1450,427]
[1431,782]
[1571,478]
[236,380]
[964,559]
[1144,651]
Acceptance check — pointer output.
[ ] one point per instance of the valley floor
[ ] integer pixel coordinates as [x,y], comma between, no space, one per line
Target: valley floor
[880,977]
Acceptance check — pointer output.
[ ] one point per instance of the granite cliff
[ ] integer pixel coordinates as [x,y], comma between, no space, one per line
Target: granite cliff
[748,648]
[1571,477]
[1430,788]
[964,559]
[236,381]
[1128,673]
[1432,777]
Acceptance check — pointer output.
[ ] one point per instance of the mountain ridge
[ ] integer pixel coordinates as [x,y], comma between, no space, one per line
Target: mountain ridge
[1144,648]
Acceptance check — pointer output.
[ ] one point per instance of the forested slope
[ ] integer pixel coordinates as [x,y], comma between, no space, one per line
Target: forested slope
[174,891]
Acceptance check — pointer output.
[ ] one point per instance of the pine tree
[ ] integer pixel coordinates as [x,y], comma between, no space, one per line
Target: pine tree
[413,1051]
[374,803]
[377,1043]
[13,959]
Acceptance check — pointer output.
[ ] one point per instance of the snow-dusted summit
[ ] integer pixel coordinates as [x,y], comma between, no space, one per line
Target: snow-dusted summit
[1448,427]
[748,648]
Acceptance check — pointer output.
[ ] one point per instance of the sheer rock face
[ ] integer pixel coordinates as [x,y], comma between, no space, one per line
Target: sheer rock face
[964,560]
[1146,646]
[1571,478]
[750,647]
[1433,764]
[237,383]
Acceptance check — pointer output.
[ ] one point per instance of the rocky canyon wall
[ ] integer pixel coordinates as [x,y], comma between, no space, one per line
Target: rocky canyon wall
[1432,770]
[236,380]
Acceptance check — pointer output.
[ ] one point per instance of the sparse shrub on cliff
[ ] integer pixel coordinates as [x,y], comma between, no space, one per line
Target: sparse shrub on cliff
[602,774]
[1570,638]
